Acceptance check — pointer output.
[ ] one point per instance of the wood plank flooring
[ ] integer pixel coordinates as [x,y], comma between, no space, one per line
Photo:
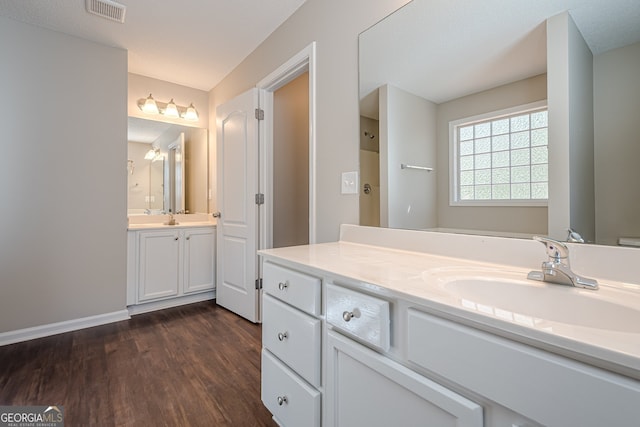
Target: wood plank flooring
[196,365]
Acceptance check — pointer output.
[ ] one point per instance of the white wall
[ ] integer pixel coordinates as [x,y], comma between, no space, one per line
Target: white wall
[617,143]
[408,136]
[570,89]
[515,219]
[334,25]
[62,177]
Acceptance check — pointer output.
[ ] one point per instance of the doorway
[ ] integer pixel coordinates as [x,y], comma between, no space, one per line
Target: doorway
[288,153]
[291,163]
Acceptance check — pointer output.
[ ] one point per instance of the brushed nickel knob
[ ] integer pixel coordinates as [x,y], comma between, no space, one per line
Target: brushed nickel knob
[283,336]
[283,285]
[282,400]
[347,315]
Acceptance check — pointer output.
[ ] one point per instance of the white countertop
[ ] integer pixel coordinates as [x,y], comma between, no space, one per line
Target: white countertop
[161,226]
[419,278]
[158,222]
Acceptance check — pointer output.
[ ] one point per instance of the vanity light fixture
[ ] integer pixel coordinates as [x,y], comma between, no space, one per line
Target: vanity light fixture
[171,109]
[152,154]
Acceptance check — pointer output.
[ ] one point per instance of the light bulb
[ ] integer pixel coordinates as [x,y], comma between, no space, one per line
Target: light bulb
[171,110]
[150,105]
[191,114]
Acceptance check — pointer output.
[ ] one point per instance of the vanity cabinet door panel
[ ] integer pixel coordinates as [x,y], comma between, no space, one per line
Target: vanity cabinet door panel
[364,388]
[199,257]
[159,264]
[547,388]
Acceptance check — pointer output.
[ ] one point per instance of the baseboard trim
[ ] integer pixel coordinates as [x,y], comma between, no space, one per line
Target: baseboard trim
[27,334]
[170,302]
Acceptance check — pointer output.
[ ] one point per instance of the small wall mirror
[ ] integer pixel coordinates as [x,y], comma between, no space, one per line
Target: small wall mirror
[167,168]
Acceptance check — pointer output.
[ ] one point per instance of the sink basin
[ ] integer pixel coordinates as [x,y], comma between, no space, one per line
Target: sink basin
[522,301]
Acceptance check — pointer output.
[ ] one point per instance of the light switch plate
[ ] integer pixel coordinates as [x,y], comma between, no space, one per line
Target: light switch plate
[350,182]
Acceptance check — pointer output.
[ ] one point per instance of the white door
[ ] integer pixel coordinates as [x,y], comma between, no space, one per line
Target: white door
[237,186]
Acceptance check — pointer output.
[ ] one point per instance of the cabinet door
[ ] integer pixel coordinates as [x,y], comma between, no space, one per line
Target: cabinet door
[367,389]
[159,262]
[199,260]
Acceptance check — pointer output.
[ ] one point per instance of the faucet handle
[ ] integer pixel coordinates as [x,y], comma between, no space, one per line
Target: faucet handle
[556,250]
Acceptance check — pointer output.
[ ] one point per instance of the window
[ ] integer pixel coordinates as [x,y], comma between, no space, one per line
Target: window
[501,158]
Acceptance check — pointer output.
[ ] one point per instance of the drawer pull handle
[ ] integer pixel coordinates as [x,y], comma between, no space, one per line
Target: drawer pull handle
[283,285]
[283,336]
[282,400]
[347,315]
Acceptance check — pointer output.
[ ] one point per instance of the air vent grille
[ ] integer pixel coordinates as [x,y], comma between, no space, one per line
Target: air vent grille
[107,9]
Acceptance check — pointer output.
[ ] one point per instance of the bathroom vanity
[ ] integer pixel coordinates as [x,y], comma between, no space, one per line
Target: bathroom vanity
[170,265]
[432,329]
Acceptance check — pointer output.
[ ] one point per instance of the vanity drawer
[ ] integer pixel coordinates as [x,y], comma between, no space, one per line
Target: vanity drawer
[293,287]
[294,337]
[291,401]
[363,316]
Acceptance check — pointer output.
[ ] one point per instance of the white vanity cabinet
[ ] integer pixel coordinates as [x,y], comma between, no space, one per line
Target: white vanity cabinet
[291,340]
[172,265]
[366,387]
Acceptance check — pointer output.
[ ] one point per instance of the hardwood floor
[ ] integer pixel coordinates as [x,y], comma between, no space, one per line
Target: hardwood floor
[196,365]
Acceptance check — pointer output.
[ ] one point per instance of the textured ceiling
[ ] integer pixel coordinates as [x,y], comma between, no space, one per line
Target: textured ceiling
[195,43]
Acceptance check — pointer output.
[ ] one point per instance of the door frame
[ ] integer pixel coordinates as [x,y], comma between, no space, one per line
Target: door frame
[303,61]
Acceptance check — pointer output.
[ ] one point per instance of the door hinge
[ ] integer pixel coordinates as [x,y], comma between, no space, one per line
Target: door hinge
[258,283]
[259,199]
[259,114]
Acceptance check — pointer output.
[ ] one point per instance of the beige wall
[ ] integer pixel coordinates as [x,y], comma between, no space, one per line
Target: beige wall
[291,163]
[529,220]
[617,143]
[334,25]
[62,177]
[196,148]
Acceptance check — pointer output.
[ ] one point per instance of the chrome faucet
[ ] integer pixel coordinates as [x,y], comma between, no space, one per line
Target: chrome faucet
[556,269]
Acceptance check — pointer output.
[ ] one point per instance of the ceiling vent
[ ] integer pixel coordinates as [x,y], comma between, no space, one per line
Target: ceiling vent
[107,9]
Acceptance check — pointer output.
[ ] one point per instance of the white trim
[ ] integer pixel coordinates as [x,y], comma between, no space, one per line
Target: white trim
[303,61]
[453,157]
[61,327]
[170,302]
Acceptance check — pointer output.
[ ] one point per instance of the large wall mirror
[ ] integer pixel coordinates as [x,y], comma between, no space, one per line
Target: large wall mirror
[435,63]
[167,168]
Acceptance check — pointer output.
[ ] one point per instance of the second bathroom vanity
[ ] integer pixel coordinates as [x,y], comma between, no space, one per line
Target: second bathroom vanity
[169,265]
